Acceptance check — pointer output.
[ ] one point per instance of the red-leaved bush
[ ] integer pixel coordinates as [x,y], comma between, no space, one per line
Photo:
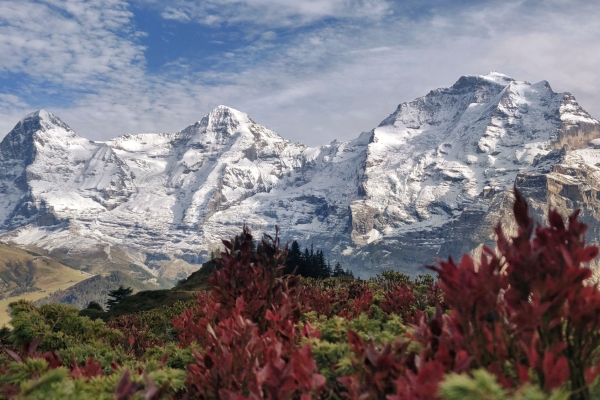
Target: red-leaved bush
[344,300]
[396,372]
[399,300]
[137,338]
[528,315]
[248,328]
[124,390]
[525,314]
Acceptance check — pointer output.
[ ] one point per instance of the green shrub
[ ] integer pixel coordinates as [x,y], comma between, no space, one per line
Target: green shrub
[483,386]
[58,325]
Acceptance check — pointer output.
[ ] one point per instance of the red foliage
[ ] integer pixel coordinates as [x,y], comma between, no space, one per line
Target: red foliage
[376,370]
[137,337]
[529,309]
[248,329]
[399,301]
[256,277]
[30,351]
[193,321]
[125,389]
[90,370]
[344,301]
[396,373]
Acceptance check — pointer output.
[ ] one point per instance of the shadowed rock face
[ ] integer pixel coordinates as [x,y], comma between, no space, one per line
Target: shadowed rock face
[439,171]
[431,180]
[50,175]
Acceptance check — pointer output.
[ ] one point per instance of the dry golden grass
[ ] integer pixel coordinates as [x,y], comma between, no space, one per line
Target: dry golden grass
[32,270]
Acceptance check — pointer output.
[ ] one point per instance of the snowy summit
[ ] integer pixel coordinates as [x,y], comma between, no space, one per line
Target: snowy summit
[429,181]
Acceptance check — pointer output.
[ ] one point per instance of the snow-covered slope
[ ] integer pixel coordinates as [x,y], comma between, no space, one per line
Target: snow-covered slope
[440,165]
[44,165]
[430,180]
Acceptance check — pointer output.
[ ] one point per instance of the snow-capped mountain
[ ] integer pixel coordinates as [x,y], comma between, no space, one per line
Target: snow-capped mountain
[431,180]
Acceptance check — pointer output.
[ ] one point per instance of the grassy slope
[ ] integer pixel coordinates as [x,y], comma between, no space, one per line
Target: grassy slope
[30,276]
[96,289]
[102,261]
[150,299]
[197,280]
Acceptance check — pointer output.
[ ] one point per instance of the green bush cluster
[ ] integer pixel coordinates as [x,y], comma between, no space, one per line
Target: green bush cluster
[522,322]
[59,326]
[77,338]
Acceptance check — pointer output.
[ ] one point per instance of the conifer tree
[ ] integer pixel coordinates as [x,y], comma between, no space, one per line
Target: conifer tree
[117,296]
[294,258]
[320,269]
[93,305]
[338,270]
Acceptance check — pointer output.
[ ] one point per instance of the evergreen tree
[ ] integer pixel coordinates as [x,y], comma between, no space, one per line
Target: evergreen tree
[294,258]
[308,263]
[320,269]
[338,270]
[93,305]
[117,296]
[304,267]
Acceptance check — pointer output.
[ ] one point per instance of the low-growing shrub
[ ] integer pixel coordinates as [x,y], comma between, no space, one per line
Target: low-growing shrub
[520,323]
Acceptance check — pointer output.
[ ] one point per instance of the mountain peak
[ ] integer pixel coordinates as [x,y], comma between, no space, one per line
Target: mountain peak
[224,119]
[427,182]
[497,77]
[42,119]
[224,108]
[223,115]
[40,126]
[40,114]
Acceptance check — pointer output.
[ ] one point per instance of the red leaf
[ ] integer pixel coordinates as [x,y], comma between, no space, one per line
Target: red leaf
[555,372]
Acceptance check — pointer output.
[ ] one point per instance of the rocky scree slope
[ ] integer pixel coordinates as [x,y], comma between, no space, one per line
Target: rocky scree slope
[431,180]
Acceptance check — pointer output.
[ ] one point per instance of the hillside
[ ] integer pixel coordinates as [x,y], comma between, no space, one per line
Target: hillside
[27,275]
[141,300]
[97,287]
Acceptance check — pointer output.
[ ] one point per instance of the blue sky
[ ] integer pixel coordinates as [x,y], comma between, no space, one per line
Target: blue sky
[313,71]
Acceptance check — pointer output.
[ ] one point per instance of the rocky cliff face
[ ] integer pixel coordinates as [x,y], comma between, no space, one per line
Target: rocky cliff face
[438,168]
[431,180]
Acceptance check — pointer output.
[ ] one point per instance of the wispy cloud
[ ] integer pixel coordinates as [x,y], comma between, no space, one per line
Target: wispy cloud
[68,42]
[271,13]
[312,71]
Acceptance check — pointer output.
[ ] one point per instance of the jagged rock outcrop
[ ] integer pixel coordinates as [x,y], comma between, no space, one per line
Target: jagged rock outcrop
[432,179]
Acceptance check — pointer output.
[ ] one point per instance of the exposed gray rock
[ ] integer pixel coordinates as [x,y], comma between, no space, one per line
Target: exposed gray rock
[432,180]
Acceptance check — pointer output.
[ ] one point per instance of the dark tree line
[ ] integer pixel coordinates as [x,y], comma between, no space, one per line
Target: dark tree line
[311,263]
[307,263]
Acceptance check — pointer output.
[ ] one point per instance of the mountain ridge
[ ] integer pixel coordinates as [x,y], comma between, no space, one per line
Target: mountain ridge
[423,181]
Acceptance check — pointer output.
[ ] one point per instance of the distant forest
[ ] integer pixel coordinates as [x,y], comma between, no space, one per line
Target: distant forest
[312,264]
[308,263]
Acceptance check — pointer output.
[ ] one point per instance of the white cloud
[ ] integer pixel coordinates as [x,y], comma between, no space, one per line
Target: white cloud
[68,42]
[271,13]
[175,14]
[10,101]
[332,81]
[12,109]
